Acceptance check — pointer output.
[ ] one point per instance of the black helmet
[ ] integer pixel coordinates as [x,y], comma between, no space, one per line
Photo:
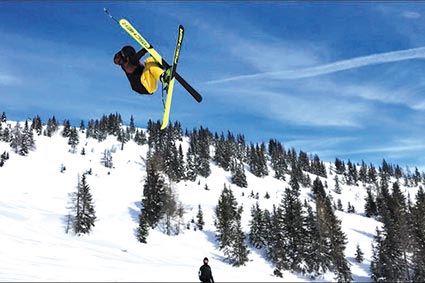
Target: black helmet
[206,259]
[130,52]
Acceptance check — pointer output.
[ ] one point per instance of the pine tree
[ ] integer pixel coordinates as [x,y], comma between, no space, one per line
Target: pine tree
[379,266]
[27,140]
[278,162]
[331,234]
[316,259]
[179,165]
[257,227]
[84,208]
[359,256]
[73,139]
[52,126]
[132,127]
[6,136]
[170,213]
[238,251]
[339,166]
[225,213]
[107,159]
[82,126]
[122,137]
[363,173]
[372,176]
[200,219]
[292,227]
[238,174]
[154,193]
[66,129]
[142,229]
[191,168]
[140,137]
[37,125]
[418,258]
[337,187]
[257,160]
[339,205]
[276,251]
[370,204]
[223,152]
[16,138]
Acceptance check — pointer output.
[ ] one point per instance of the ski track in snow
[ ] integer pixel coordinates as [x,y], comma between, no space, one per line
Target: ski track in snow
[34,200]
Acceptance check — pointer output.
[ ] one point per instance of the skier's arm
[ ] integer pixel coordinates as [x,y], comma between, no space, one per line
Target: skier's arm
[141,53]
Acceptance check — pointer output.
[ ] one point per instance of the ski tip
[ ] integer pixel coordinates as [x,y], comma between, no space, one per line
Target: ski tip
[164,125]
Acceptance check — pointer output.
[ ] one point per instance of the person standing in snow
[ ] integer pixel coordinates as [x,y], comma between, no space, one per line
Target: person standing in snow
[205,274]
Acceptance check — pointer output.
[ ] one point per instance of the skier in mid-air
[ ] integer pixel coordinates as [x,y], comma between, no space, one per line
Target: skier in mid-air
[143,78]
[205,274]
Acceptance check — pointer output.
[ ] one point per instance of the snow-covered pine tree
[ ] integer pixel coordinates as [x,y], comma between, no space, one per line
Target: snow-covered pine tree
[82,126]
[257,160]
[337,188]
[16,138]
[278,162]
[132,127]
[107,158]
[238,174]
[27,140]
[200,218]
[257,227]
[123,137]
[143,229]
[154,192]
[331,235]
[316,259]
[225,213]
[359,256]
[140,137]
[84,208]
[3,118]
[237,253]
[66,129]
[52,126]
[191,168]
[418,258]
[37,125]
[223,152]
[370,204]
[292,226]
[73,139]
[202,152]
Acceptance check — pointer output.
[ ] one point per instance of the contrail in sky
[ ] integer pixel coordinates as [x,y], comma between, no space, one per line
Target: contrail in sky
[379,58]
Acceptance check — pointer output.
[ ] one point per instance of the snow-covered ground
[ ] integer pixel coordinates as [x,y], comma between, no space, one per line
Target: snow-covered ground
[34,196]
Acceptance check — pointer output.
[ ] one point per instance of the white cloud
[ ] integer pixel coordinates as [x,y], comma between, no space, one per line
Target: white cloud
[6,79]
[379,58]
[411,15]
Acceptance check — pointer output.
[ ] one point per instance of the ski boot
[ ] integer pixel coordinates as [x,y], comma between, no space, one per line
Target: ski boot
[165,78]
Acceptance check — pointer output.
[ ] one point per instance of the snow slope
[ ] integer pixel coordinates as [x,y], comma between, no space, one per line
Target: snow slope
[34,197]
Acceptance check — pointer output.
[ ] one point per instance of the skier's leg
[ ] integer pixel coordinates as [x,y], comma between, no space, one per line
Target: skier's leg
[151,74]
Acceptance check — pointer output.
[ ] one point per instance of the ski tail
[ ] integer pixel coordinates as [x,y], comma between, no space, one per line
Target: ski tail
[172,78]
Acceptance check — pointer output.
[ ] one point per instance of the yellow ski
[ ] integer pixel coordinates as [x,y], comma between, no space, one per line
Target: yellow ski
[172,78]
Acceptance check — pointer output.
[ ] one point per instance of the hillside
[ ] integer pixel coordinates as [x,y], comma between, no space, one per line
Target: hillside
[35,194]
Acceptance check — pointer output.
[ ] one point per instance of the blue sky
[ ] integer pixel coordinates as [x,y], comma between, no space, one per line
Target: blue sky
[340,79]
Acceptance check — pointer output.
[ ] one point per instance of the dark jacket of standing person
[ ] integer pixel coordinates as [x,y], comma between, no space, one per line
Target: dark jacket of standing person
[205,274]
